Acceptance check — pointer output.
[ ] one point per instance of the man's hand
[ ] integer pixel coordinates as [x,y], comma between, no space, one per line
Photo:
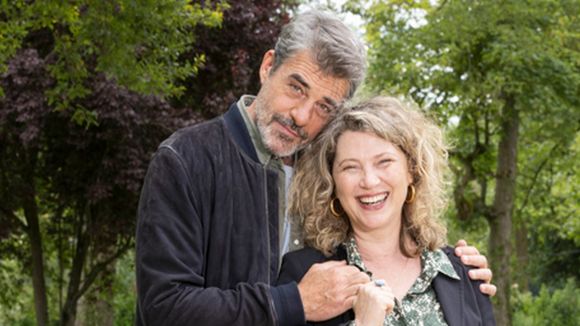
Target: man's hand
[470,256]
[329,289]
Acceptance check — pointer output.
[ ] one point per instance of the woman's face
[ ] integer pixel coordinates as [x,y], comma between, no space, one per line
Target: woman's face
[371,180]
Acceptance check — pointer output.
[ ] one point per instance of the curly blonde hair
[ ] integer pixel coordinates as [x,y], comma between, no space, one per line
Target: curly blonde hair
[422,142]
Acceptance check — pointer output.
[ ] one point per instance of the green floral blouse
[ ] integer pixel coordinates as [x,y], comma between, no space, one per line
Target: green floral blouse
[419,306]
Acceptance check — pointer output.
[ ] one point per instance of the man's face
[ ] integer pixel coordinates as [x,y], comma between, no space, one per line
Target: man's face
[295,102]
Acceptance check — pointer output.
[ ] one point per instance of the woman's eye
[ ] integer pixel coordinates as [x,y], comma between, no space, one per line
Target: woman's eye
[385,161]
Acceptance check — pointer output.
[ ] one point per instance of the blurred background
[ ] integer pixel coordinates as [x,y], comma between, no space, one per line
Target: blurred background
[89,88]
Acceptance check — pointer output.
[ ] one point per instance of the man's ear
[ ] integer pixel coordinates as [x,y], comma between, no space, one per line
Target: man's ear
[266,66]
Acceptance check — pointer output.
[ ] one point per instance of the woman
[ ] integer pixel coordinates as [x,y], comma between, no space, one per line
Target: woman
[371,191]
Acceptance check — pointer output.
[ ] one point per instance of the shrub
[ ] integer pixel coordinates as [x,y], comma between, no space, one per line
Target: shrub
[549,307]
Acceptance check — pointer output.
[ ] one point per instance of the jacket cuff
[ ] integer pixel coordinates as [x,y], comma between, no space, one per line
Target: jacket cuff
[288,304]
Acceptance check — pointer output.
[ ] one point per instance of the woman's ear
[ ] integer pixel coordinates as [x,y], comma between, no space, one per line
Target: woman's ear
[266,66]
[410,178]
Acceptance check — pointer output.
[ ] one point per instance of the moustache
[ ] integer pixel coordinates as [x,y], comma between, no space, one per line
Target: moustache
[289,122]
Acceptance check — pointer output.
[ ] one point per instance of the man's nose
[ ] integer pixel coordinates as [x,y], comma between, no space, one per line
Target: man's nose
[302,113]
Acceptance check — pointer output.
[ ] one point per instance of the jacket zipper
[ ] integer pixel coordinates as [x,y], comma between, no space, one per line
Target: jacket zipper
[267,220]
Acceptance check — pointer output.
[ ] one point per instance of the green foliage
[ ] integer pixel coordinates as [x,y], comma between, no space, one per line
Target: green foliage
[549,307]
[124,287]
[549,205]
[475,231]
[16,296]
[138,44]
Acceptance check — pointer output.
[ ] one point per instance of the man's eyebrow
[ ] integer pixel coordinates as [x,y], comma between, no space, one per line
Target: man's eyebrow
[304,83]
[299,79]
[331,102]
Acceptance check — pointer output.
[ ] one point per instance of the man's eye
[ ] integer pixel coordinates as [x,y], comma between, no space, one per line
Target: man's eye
[326,109]
[296,89]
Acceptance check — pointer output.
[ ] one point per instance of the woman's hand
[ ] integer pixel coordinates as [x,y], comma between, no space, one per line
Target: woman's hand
[373,302]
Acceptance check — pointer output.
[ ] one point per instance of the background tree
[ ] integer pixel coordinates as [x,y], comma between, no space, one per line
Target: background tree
[548,232]
[136,44]
[91,89]
[233,54]
[490,71]
[77,185]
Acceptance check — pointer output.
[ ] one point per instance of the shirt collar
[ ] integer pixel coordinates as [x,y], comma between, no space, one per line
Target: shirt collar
[437,262]
[353,256]
[432,262]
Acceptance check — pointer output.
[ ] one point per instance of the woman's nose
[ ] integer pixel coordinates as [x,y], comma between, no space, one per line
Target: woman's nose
[369,178]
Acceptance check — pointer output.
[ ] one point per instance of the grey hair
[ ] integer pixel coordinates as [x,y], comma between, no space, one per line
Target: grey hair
[337,50]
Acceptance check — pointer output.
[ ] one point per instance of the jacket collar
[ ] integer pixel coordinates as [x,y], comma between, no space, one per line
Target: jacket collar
[235,124]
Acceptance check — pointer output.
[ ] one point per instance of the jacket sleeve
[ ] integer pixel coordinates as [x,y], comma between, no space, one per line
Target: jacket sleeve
[295,265]
[484,304]
[170,260]
[461,300]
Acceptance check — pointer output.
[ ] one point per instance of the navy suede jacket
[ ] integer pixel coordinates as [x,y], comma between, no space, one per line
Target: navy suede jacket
[207,233]
[462,302]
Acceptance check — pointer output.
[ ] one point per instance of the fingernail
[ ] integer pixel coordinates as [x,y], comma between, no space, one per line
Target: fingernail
[465,259]
[458,251]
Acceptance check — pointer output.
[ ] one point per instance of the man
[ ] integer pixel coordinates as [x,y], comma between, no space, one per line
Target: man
[212,228]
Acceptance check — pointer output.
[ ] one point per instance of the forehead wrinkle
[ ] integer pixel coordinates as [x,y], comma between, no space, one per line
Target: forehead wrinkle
[310,75]
[300,79]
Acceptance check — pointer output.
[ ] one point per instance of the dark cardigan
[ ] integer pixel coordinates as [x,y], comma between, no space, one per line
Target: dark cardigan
[461,300]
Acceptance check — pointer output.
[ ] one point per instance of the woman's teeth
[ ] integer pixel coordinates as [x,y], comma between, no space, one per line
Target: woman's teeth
[373,199]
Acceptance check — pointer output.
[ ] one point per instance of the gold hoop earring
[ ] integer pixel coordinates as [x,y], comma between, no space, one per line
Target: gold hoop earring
[332,209]
[411,198]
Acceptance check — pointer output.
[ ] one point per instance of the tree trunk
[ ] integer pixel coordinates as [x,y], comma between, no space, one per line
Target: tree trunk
[104,312]
[69,311]
[96,305]
[37,259]
[501,216]
[523,259]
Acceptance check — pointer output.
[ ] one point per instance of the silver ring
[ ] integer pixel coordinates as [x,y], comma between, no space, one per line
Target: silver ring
[380,283]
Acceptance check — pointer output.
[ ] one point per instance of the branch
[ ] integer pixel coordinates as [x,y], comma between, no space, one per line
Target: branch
[464,208]
[100,267]
[10,215]
[535,177]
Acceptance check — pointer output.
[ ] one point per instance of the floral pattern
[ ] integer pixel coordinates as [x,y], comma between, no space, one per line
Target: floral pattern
[419,306]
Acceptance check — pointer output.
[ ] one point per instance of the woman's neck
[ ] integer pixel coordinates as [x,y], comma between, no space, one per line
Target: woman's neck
[382,255]
[378,246]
